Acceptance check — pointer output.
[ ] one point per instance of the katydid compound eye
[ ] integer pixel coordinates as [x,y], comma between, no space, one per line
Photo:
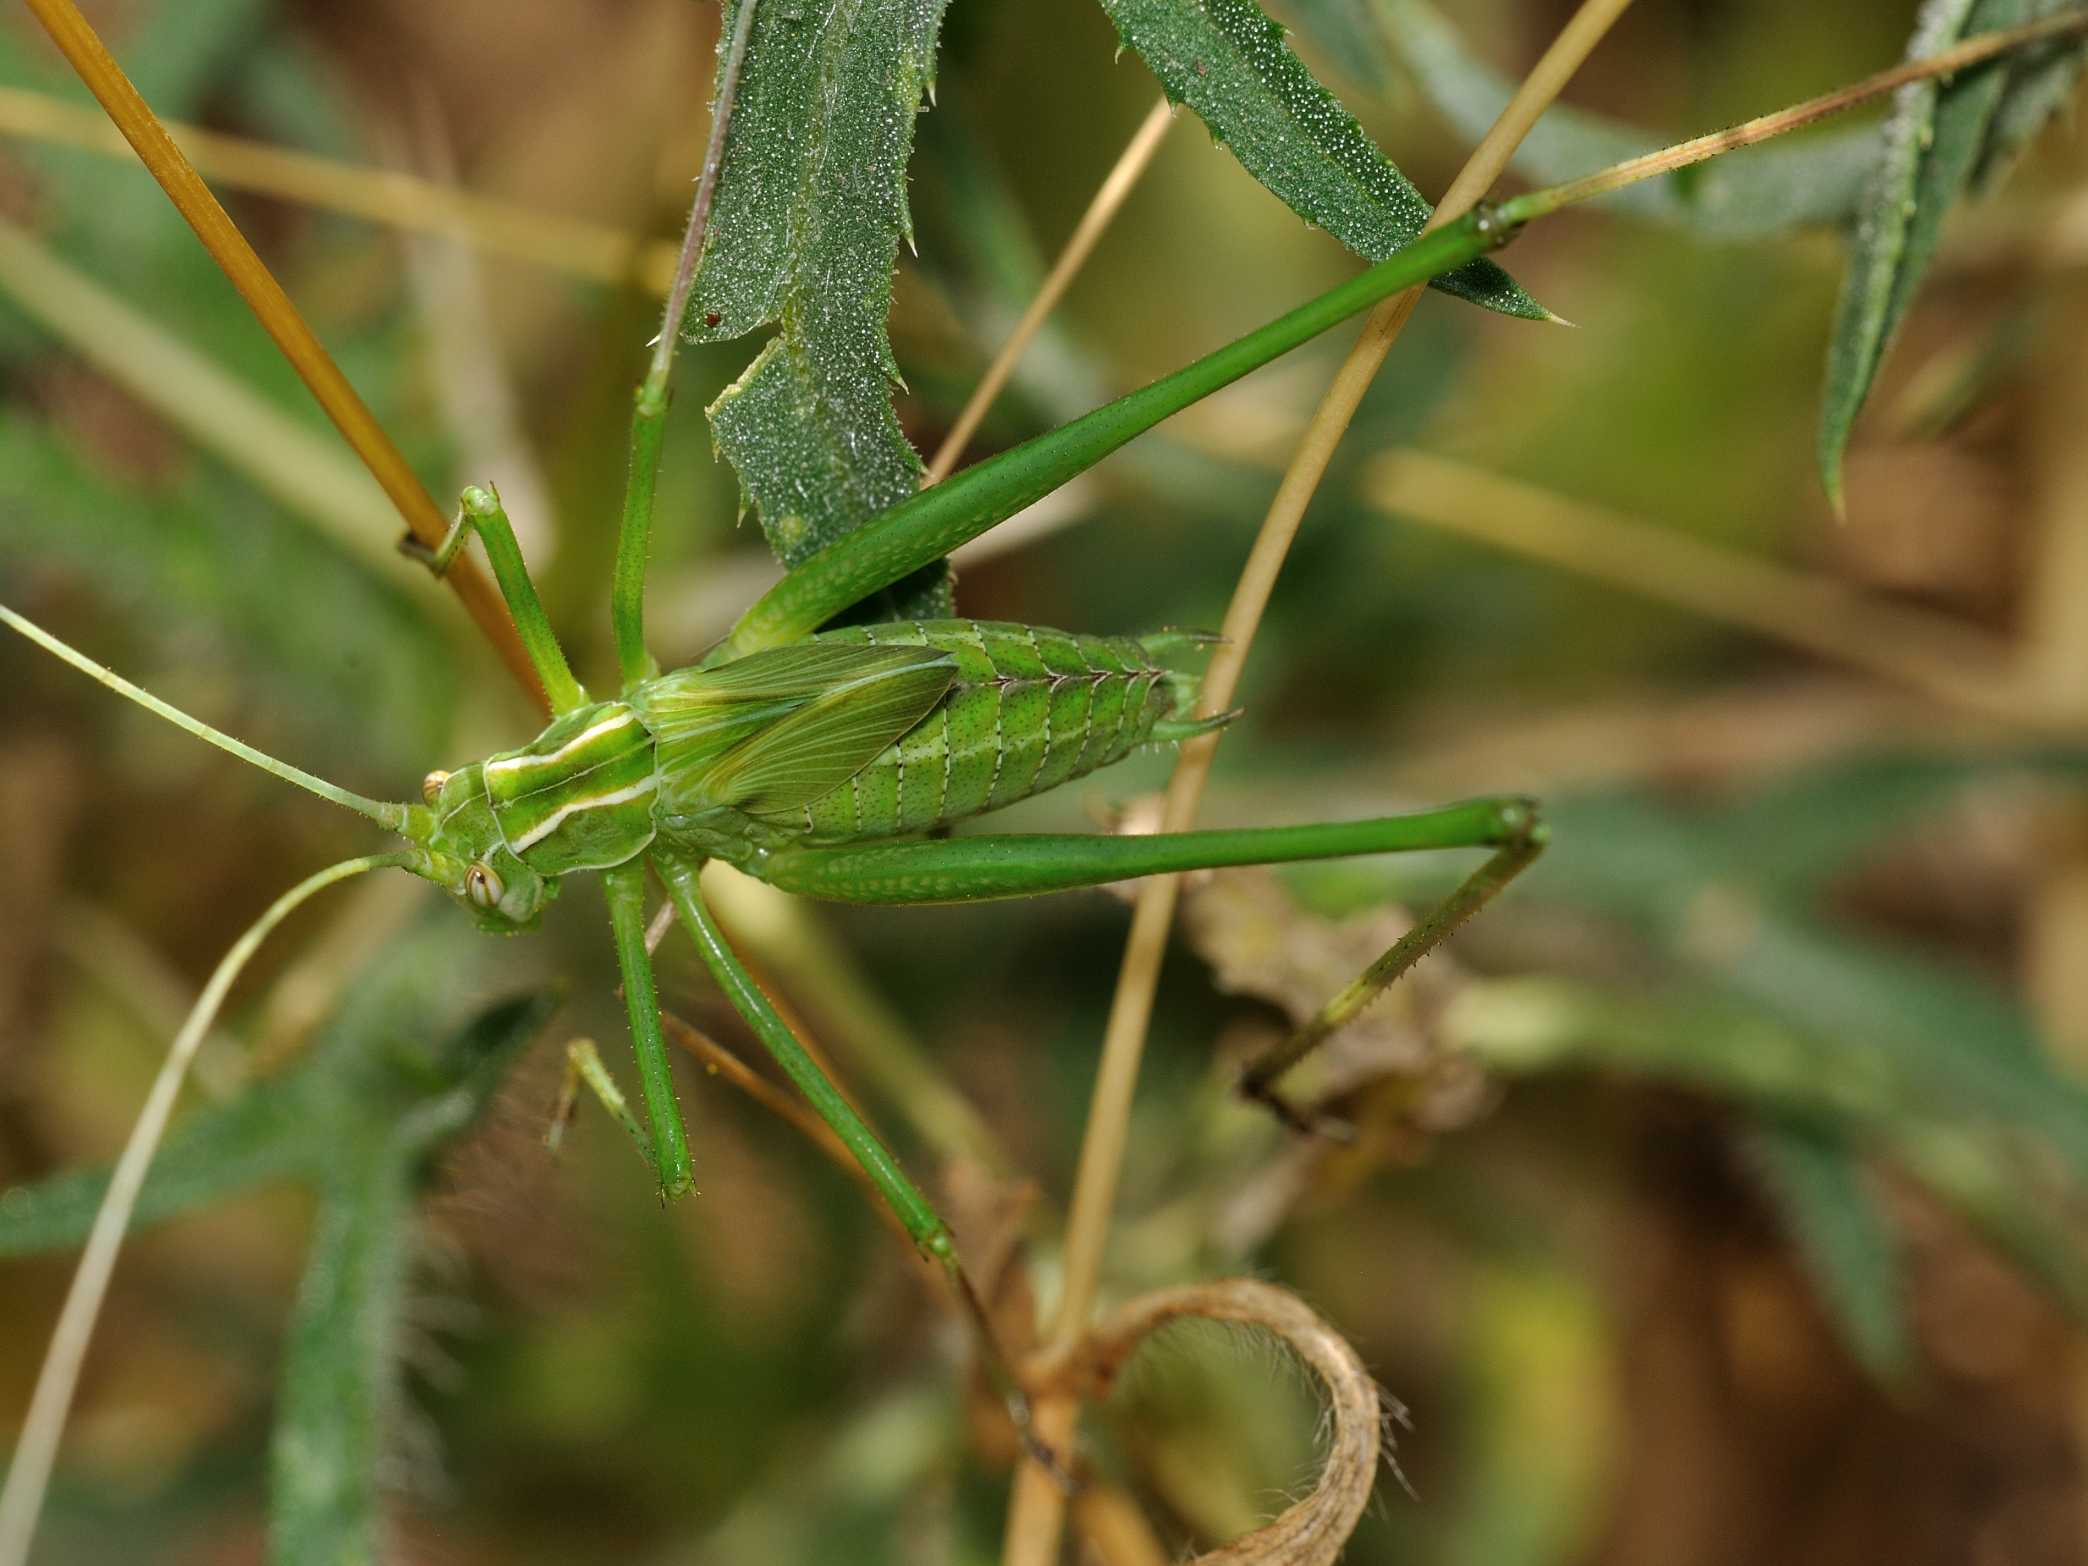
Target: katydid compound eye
[431,785]
[482,886]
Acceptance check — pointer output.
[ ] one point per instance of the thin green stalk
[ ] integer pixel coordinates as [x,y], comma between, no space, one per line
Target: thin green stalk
[649,410]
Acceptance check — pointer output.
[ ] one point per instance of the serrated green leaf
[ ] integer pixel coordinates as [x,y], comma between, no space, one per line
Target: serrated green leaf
[1817,1180]
[810,207]
[1231,63]
[1939,136]
[1765,190]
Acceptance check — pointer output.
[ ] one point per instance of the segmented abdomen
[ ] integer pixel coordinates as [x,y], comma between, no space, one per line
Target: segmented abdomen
[1029,710]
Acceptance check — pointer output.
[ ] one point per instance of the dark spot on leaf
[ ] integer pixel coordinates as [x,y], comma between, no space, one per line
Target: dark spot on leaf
[711,318]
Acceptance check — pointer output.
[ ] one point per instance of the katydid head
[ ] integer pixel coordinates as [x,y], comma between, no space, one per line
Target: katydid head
[460,845]
[467,856]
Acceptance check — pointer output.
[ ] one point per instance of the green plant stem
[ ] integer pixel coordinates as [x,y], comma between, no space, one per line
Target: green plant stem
[649,409]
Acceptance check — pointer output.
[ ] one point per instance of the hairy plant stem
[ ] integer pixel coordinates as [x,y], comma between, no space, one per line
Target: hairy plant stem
[83,48]
[1037,1510]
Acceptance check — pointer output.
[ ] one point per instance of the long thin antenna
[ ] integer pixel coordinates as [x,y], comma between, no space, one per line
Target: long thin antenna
[390,816]
[21,1499]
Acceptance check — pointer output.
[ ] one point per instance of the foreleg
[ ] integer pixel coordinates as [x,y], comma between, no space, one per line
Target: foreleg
[481,509]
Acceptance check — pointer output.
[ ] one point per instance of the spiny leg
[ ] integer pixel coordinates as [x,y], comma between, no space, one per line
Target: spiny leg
[649,411]
[481,509]
[1482,886]
[624,886]
[923,1224]
[963,869]
[584,1068]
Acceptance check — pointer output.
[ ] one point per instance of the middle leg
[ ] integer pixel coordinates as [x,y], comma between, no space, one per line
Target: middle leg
[917,1215]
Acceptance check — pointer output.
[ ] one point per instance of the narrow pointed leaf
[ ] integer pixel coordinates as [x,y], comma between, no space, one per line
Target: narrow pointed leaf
[1817,1179]
[339,1387]
[1983,1159]
[216,1153]
[810,207]
[1940,135]
[1808,180]
[2041,82]
[1227,60]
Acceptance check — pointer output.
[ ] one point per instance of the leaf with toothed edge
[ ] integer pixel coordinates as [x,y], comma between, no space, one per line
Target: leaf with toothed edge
[809,211]
[1230,62]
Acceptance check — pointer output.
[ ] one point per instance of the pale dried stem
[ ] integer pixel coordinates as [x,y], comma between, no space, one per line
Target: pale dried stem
[479,400]
[2055,662]
[295,465]
[1036,1513]
[594,252]
[1923,651]
[1963,56]
[1094,222]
